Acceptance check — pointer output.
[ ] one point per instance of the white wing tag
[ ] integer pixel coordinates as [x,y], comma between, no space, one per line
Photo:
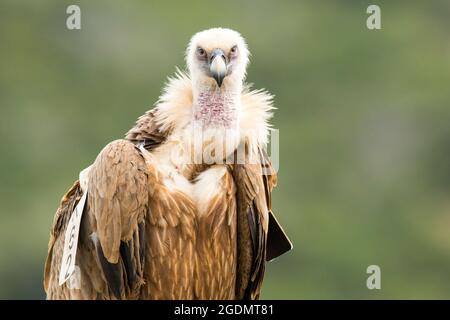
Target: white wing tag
[71,241]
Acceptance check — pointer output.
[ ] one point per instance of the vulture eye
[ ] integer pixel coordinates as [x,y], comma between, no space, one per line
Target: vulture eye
[201,52]
[233,51]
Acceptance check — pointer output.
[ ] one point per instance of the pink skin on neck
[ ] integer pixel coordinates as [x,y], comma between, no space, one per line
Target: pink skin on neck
[216,108]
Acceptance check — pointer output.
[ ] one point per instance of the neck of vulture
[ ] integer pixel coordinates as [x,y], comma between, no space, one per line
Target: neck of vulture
[217,107]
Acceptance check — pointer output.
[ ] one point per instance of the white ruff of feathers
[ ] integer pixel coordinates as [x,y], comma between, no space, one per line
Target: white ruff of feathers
[174,110]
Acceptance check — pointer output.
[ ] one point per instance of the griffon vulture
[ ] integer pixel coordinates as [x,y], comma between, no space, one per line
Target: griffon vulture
[165,213]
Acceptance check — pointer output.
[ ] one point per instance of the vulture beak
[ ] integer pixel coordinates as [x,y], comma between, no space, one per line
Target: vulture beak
[218,66]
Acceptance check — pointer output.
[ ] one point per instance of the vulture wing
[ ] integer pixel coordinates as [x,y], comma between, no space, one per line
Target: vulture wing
[260,237]
[278,242]
[56,244]
[118,197]
[112,233]
[112,239]
[131,228]
[252,226]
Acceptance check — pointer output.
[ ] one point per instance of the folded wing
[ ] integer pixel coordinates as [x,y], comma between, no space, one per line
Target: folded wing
[112,238]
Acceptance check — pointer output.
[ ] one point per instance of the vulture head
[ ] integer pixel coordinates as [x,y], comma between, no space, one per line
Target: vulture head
[217,59]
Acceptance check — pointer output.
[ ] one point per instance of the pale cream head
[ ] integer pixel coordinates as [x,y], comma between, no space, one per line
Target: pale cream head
[217,58]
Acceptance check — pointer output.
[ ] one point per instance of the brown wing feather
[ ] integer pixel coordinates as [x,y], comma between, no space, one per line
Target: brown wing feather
[147,131]
[260,237]
[123,276]
[278,242]
[54,255]
[252,211]
[117,195]
[112,235]
[118,198]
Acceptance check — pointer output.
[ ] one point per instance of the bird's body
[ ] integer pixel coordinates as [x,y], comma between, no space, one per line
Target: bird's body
[168,215]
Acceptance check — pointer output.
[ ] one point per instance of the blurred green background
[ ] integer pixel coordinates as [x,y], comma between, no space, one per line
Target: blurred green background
[364,120]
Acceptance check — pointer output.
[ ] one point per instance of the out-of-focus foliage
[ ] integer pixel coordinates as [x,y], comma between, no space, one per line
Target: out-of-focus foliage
[364,120]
